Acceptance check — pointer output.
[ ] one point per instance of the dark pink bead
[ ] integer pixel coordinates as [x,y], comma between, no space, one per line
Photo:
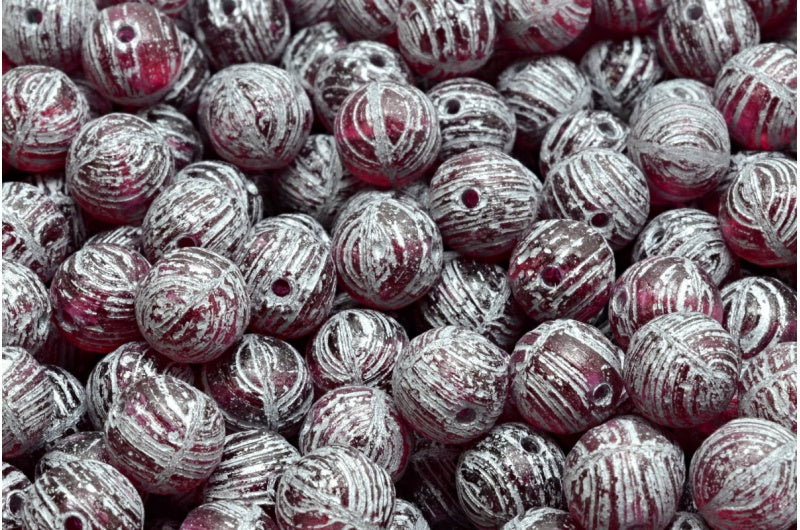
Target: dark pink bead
[768,385]
[69,395]
[26,308]
[54,185]
[15,493]
[228,514]
[770,14]
[125,236]
[185,93]
[98,104]
[81,446]
[539,27]
[407,516]
[230,177]
[369,19]
[304,13]
[627,16]
[542,519]
[178,131]
[308,49]
[681,88]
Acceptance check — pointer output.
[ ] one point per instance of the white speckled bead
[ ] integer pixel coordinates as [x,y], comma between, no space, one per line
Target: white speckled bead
[743,476]
[126,236]
[768,385]
[230,177]
[541,519]
[229,515]
[372,20]
[262,382]
[69,396]
[299,222]
[26,308]
[338,485]
[627,16]
[407,516]
[54,185]
[687,521]
[512,469]
[116,166]
[681,88]
[85,445]
[178,131]
[185,93]
[304,13]
[450,384]
[165,435]
[98,104]
[759,312]
[15,494]
[602,188]
[308,49]
[89,495]
[541,27]
[622,474]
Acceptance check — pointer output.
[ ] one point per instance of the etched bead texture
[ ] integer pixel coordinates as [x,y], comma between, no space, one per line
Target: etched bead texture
[681,88]
[230,177]
[165,435]
[69,396]
[627,16]
[185,92]
[374,20]
[228,514]
[178,131]
[126,236]
[15,493]
[54,186]
[541,519]
[26,308]
[407,516]
[623,473]
[541,27]
[768,385]
[308,49]
[81,446]
[304,13]
[687,521]
[771,13]
[743,476]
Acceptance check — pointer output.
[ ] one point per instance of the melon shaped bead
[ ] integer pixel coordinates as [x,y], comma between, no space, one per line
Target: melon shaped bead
[771,14]
[230,177]
[450,384]
[696,37]
[658,286]
[683,148]
[83,494]
[260,383]
[303,13]
[308,49]
[192,305]
[252,463]
[69,395]
[299,222]
[541,90]
[29,405]
[165,435]
[484,201]
[116,166]
[178,131]
[472,114]
[624,458]
[185,93]
[15,493]
[43,111]
[602,188]
[371,20]
[81,446]
[566,377]
[562,269]
[541,519]
[26,308]
[689,233]
[267,138]
[407,516]
[541,27]
[361,417]
[98,104]
[441,39]
[584,129]
[758,212]
[627,16]
[54,185]
[681,88]
[759,312]
[228,514]
[743,476]
[475,296]
[768,385]
[93,297]
[621,72]
[234,32]
[404,256]
[129,237]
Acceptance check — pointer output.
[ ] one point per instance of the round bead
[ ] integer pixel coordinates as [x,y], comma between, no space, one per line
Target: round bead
[743,476]
[484,201]
[623,474]
[681,88]
[768,385]
[228,514]
[387,134]
[758,212]
[658,286]
[165,435]
[627,16]
[43,110]
[261,383]
[83,494]
[98,104]
[178,131]
[15,494]
[472,114]
[562,269]
[230,177]
[267,138]
[185,93]
[566,377]
[371,20]
[688,233]
[602,188]
[304,13]
[406,516]
[450,384]
[338,485]
[93,297]
[26,308]
[192,305]
[475,296]
[116,166]
[541,519]
[683,148]
[308,49]
[759,312]
[70,400]
[541,90]
[696,37]
[54,186]
[770,14]
[81,446]
[132,54]
[252,463]
[542,27]
[129,237]
[404,259]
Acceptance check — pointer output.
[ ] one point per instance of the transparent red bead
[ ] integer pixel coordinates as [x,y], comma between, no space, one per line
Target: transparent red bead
[85,445]
[551,518]
[195,71]
[308,49]
[178,131]
[230,177]
[407,516]
[369,19]
[26,308]
[541,27]
[627,16]
[126,236]
[70,399]
[681,88]
[54,186]
[768,385]
[228,514]
[770,14]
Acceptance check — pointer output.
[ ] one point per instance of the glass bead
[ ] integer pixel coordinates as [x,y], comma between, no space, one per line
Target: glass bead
[374,20]
[232,515]
[540,26]
[26,308]
[627,16]
[192,77]
[407,516]
[681,88]
[80,446]
[178,131]
[70,399]
[304,13]
[126,236]
[54,185]
[768,385]
[15,493]
[544,518]
[308,49]
[230,177]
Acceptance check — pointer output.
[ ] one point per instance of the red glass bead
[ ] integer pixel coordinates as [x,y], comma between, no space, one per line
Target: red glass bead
[771,13]
[541,27]
[192,77]
[164,435]
[178,131]
[228,176]
[116,166]
[252,139]
[192,305]
[98,104]
[70,398]
[26,308]
[43,110]
[308,49]
[336,484]
[374,20]
[406,516]
[260,383]
[125,236]
[15,494]
[54,185]
[298,222]
[627,16]
[624,458]
[681,88]
[303,13]
[562,269]
[768,385]
[743,476]
[81,446]
[228,514]
[696,37]
[542,519]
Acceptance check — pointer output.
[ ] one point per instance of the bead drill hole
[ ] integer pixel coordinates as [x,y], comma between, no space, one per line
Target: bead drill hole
[599,220]
[281,287]
[602,394]
[452,106]
[377,60]
[15,502]
[228,7]
[686,525]
[470,198]
[551,276]
[186,242]
[465,416]
[126,34]
[73,522]
[530,445]
[605,128]
[33,16]
[694,12]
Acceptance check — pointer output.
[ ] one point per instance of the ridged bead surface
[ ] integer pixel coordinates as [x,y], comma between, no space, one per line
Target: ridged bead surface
[256,116]
[407,516]
[230,177]
[484,201]
[566,377]
[687,521]
[562,269]
[15,492]
[54,186]
[374,20]
[304,13]
[627,16]
[69,396]
[178,131]
[308,49]
[743,476]
[260,383]
[116,166]
[165,435]
[768,385]
[541,519]
[81,446]
[126,236]
[26,308]
[185,92]
[228,514]
[622,474]
[192,305]
[541,27]
[450,384]
[681,88]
